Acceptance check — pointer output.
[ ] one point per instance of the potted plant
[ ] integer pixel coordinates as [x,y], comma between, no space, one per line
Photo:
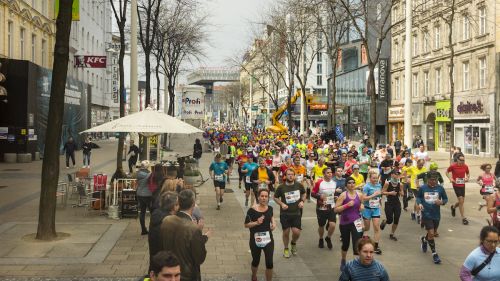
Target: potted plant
[191,176]
[190,163]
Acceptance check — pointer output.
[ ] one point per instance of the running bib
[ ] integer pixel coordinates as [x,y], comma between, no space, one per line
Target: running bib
[374,203]
[420,182]
[262,186]
[489,189]
[330,200]
[359,224]
[219,177]
[228,156]
[431,197]
[300,178]
[292,197]
[460,181]
[262,238]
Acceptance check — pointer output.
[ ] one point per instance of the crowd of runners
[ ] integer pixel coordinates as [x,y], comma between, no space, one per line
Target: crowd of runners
[358,188]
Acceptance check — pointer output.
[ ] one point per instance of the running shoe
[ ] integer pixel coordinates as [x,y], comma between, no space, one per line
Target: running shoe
[423,244]
[392,237]
[342,265]
[436,258]
[378,251]
[465,221]
[286,253]
[382,224]
[413,217]
[329,243]
[218,207]
[293,249]
[239,185]
[418,219]
[321,243]
[453,211]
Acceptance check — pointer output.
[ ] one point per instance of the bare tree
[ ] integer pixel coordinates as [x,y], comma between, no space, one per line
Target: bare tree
[120,13]
[50,167]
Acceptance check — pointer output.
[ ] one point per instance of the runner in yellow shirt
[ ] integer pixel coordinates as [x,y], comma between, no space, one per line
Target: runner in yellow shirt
[359,180]
[413,172]
[317,171]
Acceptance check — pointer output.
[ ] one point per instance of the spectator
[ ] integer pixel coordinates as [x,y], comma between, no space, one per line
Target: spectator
[144,195]
[483,263]
[184,238]
[365,265]
[69,148]
[197,151]
[134,154]
[165,267]
[86,149]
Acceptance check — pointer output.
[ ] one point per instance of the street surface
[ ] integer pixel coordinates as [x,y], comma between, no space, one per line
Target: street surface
[99,248]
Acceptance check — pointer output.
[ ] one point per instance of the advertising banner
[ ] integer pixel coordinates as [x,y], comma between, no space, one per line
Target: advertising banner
[90,61]
[193,105]
[75,10]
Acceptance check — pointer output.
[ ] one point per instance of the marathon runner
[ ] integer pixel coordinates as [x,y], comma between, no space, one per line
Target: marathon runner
[218,170]
[248,169]
[290,197]
[413,172]
[371,196]
[317,171]
[262,177]
[487,182]
[310,163]
[359,180]
[324,192]
[364,161]
[241,160]
[392,190]
[351,224]
[493,207]
[429,198]
[458,174]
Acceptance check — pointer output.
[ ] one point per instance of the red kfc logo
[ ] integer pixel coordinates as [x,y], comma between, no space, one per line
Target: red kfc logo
[90,61]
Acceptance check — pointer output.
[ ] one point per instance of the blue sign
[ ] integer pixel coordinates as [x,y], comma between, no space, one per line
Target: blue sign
[340,135]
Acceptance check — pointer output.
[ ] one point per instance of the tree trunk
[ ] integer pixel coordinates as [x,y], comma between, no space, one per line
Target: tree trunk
[148,79]
[171,96]
[121,138]
[373,105]
[157,71]
[50,167]
[334,99]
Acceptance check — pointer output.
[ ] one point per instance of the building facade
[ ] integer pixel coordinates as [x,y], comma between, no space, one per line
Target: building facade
[27,31]
[474,75]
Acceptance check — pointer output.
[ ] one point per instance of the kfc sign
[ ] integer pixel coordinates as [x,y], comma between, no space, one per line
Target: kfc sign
[90,61]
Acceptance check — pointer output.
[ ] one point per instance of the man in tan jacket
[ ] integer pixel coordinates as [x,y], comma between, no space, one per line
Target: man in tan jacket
[184,238]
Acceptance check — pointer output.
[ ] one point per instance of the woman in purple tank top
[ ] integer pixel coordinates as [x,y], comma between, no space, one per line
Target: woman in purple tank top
[351,224]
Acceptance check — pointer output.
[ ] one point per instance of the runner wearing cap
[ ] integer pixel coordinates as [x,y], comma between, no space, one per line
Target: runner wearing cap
[359,179]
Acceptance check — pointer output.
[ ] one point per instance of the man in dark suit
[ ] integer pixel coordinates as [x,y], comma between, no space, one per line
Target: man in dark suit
[184,238]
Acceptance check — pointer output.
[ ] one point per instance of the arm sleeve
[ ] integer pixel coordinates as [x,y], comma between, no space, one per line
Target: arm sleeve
[420,195]
[314,192]
[278,193]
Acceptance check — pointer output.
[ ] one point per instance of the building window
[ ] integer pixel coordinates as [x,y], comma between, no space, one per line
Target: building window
[22,32]
[482,20]
[415,45]
[10,39]
[319,80]
[426,83]
[437,37]
[427,43]
[415,85]
[396,90]
[482,72]
[379,11]
[466,28]
[396,52]
[403,47]
[44,52]
[319,57]
[33,48]
[319,68]
[438,81]
[466,76]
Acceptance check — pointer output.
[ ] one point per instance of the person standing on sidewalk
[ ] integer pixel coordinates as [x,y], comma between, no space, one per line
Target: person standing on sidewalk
[290,197]
[458,174]
[134,155]
[86,149]
[430,198]
[260,221]
[69,148]
[197,151]
[144,195]
[483,263]
[218,171]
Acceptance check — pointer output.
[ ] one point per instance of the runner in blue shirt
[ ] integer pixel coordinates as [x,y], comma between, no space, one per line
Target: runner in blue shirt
[248,168]
[218,171]
[372,194]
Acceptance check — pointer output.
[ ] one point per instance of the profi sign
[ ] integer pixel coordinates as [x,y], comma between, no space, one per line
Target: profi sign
[189,101]
[90,61]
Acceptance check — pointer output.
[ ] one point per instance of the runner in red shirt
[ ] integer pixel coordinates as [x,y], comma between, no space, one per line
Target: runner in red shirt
[458,173]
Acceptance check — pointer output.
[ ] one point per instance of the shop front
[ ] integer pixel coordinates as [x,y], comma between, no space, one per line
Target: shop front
[396,123]
[442,125]
[472,124]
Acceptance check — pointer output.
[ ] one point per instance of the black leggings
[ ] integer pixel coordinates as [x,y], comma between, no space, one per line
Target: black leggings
[240,174]
[406,190]
[144,203]
[349,231]
[268,253]
[392,212]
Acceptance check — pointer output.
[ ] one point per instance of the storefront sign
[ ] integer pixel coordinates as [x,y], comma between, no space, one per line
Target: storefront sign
[471,106]
[90,61]
[318,107]
[396,113]
[383,70]
[443,111]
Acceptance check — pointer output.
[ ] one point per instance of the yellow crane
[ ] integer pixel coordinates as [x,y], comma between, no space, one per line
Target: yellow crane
[276,126]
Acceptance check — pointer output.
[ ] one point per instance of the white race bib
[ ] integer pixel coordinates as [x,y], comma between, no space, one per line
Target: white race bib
[300,178]
[420,182]
[359,224]
[262,238]
[431,197]
[292,197]
[262,186]
[330,200]
[460,181]
[219,178]
[489,189]
[374,203]
[228,156]
[247,179]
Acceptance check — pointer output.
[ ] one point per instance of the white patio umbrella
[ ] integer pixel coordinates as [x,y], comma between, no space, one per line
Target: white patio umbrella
[148,123]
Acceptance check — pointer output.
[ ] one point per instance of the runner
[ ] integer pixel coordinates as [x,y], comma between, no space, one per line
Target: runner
[406,180]
[218,171]
[392,190]
[429,198]
[413,172]
[260,221]
[493,207]
[262,177]
[351,224]
[324,192]
[487,182]
[310,163]
[317,171]
[371,197]
[364,161]
[241,160]
[421,154]
[386,167]
[276,164]
[247,170]
[458,174]
[290,197]
[351,161]
[359,179]
[300,171]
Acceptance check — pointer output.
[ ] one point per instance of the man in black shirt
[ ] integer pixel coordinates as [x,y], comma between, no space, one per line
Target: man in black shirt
[69,148]
[134,154]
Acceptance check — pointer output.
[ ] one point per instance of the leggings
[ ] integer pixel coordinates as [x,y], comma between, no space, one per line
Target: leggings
[240,174]
[406,189]
[392,212]
[347,230]
[268,253]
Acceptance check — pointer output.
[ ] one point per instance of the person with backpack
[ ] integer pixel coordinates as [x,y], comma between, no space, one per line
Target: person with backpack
[483,263]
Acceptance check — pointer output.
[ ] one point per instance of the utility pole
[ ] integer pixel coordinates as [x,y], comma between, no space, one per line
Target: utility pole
[251,100]
[133,57]
[408,129]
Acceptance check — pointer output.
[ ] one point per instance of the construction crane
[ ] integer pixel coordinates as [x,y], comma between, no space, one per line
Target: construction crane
[277,127]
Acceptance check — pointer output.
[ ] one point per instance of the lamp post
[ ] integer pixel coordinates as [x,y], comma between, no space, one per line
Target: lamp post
[408,129]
